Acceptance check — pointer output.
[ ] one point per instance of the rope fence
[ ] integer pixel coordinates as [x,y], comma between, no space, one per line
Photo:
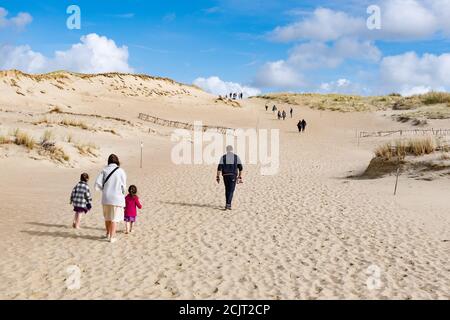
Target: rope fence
[435,132]
[181,125]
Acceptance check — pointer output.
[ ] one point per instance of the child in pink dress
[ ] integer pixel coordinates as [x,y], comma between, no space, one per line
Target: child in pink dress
[131,203]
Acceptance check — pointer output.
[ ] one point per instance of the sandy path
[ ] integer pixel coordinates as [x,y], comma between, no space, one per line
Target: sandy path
[302,234]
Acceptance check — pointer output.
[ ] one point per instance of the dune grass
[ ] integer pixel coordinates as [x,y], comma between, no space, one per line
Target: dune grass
[4,139]
[432,105]
[87,148]
[445,156]
[412,147]
[45,147]
[73,123]
[24,139]
[54,153]
[435,98]
[334,102]
[56,110]
[48,136]
[69,138]
[64,122]
[49,148]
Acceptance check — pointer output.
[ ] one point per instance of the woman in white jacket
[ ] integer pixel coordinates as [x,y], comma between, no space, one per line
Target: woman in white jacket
[112,182]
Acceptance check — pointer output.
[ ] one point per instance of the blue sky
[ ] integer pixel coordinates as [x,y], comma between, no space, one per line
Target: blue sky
[248,44]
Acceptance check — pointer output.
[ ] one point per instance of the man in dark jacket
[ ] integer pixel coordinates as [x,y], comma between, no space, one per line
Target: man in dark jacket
[299,126]
[231,168]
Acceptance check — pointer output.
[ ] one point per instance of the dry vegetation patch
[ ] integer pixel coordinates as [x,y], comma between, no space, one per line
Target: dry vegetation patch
[45,147]
[417,157]
[22,138]
[89,149]
[417,108]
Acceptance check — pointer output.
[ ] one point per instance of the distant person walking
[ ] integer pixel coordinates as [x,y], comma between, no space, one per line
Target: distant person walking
[283,114]
[274,108]
[132,203]
[299,126]
[279,115]
[230,166]
[303,125]
[81,199]
[291,112]
[267,107]
[112,182]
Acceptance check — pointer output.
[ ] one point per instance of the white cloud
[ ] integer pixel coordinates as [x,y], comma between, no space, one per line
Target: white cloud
[22,58]
[411,91]
[217,86]
[407,19]
[19,21]
[400,20]
[279,74]
[124,15]
[212,10]
[288,74]
[329,38]
[93,54]
[441,8]
[323,25]
[343,86]
[313,55]
[409,72]
[342,83]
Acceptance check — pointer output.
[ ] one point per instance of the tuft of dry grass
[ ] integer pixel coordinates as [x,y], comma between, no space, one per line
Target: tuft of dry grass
[54,153]
[73,123]
[4,139]
[112,131]
[445,156]
[69,138]
[65,122]
[435,98]
[42,121]
[24,139]
[48,136]
[402,148]
[45,148]
[56,110]
[87,148]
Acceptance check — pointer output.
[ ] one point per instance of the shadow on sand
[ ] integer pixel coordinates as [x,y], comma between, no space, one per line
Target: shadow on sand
[196,205]
[62,226]
[61,234]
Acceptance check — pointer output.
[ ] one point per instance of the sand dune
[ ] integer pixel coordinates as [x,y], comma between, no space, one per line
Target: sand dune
[306,233]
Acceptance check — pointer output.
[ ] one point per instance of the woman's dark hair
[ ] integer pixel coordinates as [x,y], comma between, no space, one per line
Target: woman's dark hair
[113,159]
[132,190]
[84,177]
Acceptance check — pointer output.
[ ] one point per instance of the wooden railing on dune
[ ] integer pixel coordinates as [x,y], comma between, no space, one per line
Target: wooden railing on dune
[181,125]
[435,132]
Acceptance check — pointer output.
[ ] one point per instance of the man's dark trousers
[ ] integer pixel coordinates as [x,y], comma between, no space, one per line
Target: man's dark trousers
[230,185]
